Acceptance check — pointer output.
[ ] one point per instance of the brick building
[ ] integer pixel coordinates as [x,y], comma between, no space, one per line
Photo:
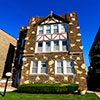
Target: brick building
[93,78]
[7,45]
[49,49]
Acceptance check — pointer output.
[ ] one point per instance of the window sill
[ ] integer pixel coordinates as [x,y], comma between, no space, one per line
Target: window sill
[52,52]
[65,74]
[38,74]
[51,33]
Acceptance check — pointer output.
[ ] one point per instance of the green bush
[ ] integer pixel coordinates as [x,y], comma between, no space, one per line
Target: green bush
[48,87]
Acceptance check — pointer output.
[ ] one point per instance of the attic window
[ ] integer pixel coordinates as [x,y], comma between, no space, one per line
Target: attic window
[56,28]
[40,29]
[48,29]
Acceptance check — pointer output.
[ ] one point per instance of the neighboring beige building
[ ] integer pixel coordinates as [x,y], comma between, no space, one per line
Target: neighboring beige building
[7,45]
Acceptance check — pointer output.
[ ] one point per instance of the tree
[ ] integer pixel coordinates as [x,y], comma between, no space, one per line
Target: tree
[95,58]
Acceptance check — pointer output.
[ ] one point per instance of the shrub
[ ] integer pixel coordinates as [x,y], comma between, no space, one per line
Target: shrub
[48,87]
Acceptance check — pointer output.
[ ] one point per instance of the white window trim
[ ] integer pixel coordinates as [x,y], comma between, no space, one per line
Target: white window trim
[52,29]
[64,68]
[52,47]
[38,69]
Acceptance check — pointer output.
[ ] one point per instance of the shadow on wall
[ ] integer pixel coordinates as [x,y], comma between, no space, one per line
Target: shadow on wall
[9,60]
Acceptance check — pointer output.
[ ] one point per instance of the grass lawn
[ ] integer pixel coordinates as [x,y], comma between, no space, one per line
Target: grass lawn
[23,96]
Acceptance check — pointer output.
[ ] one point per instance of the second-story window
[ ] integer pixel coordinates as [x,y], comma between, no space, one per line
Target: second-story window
[48,46]
[56,45]
[56,28]
[40,45]
[48,28]
[64,45]
[41,29]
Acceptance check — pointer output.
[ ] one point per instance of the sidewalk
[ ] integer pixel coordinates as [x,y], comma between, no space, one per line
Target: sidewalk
[8,89]
[97,93]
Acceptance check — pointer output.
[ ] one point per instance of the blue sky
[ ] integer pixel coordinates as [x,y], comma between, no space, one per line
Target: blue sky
[16,13]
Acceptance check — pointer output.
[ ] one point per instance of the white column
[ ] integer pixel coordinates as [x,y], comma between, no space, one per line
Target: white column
[36,47]
[39,67]
[59,28]
[52,46]
[43,46]
[44,29]
[64,66]
[60,45]
[52,29]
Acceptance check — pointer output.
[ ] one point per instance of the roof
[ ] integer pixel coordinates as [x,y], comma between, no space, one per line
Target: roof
[95,41]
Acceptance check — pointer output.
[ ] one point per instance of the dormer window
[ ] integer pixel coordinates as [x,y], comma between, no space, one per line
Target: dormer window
[56,28]
[41,29]
[48,28]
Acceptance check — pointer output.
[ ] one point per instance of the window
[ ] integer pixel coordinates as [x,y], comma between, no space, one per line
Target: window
[20,59]
[38,67]
[35,67]
[48,29]
[40,45]
[56,45]
[40,29]
[63,28]
[52,46]
[56,28]
[69,67]
[43,66]
[23,42]
[64,67]
[64,45]
[48,46]
[59,66]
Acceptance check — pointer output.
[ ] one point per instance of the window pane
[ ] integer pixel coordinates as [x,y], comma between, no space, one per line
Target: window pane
[63,28]
[34,67]
[69,70]
[56,45]
[64,45]
[43,66]
[70,67]
[48,48]
[40,29]
[55,28]
[59,66]
[40,46]
[48,29]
